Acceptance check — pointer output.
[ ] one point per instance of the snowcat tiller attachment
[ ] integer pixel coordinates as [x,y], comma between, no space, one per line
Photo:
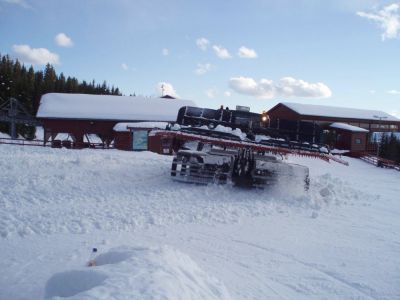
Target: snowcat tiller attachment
[218,139]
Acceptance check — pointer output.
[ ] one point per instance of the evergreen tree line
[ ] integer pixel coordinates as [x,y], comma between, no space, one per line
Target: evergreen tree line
[28,85]
[389,147]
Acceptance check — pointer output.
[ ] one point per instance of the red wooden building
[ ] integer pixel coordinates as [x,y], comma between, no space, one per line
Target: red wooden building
[135,137]
[80,115]
[352,128]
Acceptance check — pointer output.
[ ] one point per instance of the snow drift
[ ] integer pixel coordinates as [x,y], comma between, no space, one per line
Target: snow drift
[137,273]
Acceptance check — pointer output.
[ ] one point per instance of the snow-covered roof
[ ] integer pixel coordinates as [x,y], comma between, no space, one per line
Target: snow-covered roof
[348,127]
[124,127]
[339,112]
[105,107]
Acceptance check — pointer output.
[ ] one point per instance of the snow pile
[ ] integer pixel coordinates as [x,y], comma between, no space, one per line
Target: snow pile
[260,137]
[7,136]
[39,133]
[235,131]
[4,135]
[339,151]
[137,273]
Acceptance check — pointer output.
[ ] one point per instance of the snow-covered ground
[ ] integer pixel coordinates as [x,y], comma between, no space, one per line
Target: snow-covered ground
[159,239]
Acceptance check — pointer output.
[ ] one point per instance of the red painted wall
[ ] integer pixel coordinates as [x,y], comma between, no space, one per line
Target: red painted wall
[123,140]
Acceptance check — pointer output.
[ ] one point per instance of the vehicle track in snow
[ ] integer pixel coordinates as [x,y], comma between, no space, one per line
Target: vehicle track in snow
[363,291]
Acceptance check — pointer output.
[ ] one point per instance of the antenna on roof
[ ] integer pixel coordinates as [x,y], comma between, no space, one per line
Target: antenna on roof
[162,90]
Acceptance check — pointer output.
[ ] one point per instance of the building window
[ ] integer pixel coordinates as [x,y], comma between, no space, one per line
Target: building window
[358,141]
[393,127]
[364,125]
[140,140]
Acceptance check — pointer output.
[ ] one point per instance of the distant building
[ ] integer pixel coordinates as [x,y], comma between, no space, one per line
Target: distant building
[80,115]
[135,137]
[351,129]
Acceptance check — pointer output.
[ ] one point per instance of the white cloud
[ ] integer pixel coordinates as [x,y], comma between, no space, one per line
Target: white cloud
[63,40]
[124,66]
[221,52]
[203,68]
[245,52]
[388,19]
[21,3]
[227,94]
[165,88]
[372,91]
[211,93]
[395,113]
[285,87]
[36,56]
[165,52]
[202,43]
[394,92]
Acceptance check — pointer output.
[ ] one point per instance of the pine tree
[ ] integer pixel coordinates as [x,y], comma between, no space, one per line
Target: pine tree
[28,85]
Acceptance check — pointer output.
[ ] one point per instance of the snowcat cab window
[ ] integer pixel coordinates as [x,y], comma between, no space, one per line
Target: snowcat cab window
[181,115]
[193,112]
[209,113]
[226,115]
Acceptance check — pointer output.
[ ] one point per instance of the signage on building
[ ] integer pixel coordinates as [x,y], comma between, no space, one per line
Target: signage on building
[243,108]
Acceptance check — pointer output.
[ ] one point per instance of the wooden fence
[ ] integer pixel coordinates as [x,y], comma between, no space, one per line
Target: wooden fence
[380,162]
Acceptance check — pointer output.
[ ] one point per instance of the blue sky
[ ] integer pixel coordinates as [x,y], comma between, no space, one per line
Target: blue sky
[255,53]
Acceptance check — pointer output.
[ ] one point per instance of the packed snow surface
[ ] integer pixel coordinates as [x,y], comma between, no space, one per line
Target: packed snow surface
[339,112]
[160,239]
[105,107]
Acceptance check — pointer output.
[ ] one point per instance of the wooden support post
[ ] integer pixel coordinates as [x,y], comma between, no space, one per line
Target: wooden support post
[12,113]
[313,136]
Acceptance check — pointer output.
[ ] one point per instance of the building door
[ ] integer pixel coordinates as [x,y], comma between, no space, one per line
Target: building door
[140,140]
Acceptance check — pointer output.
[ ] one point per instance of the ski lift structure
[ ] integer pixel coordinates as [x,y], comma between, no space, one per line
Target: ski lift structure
[13,113]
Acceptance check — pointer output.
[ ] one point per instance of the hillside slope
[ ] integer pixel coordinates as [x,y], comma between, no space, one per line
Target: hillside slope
[160,238]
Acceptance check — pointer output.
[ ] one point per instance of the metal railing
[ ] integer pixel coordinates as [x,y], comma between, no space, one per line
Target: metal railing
[54,144]
[22,142]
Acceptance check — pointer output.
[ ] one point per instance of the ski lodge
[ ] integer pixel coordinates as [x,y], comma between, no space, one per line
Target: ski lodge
[127,121]
[81,116]
[349,128]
